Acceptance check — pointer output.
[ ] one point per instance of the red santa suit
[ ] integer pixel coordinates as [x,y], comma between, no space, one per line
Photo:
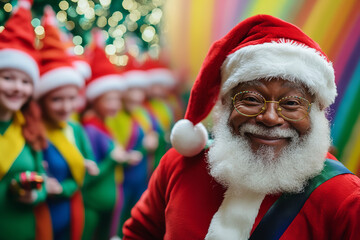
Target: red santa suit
[182,199]
[184,202]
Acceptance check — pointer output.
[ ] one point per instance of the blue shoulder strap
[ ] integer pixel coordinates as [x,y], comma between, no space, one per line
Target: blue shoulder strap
[284,210]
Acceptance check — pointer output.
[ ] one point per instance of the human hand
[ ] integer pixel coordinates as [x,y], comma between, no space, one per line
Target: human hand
[134,157]
[119,155]
[53,187]
[28,196]
[131,157]
[91,167]
[151,141]
[24,185]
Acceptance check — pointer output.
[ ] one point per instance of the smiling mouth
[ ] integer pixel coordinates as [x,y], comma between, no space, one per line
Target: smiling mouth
[267,140]
[15,97]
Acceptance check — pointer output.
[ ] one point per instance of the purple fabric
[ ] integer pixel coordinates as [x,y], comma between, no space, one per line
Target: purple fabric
[100,142]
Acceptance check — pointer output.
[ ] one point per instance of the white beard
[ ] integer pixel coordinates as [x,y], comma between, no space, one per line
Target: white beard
[249,176]
[234,164]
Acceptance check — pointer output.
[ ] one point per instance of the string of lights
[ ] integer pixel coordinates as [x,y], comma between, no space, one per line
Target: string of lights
[132,26]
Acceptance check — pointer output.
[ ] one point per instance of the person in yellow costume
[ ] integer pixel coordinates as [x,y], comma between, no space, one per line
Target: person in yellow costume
[22,136]
[132,128]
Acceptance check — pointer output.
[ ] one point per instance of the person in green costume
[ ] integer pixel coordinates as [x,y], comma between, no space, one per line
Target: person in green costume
[69,155]
[103,194]
[22,136]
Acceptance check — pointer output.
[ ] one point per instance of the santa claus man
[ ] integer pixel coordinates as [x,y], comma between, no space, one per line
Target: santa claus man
[267,173]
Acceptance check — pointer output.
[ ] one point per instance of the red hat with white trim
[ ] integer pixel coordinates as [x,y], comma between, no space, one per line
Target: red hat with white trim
[105,76]
[258,47]
[17,49]
[158,72]
[56,69]
[135,73]
[79,62]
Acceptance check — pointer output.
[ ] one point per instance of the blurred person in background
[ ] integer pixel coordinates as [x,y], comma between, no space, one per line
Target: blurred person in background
[68,157]
[132,128]
[161,80]
[103,194]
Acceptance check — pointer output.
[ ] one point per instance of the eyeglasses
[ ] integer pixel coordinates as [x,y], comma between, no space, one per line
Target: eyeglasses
[251,104]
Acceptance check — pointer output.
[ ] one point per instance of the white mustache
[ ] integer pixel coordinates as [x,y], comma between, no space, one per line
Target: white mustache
[275,132]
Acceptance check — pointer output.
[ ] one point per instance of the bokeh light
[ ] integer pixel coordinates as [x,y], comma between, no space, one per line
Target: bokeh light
[79,50]
[77,40]
[110,49]
[148,33]
[61,16]
[64,5]
[8,7]
[118,19]
[35,22]
[105,3]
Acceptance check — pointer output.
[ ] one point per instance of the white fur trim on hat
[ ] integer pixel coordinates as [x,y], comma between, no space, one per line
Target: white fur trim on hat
[104,84]
[58,77]
[83,68]
[188,139]
[13,58]
[284,59]
[136,78]
[161,76]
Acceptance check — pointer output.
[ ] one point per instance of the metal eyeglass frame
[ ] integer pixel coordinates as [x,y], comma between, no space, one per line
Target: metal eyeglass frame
[278,109]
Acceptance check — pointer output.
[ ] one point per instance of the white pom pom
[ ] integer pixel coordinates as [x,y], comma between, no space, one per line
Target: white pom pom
[188,139]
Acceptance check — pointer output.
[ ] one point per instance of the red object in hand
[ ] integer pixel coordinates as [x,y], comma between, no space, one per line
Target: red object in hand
[30,180]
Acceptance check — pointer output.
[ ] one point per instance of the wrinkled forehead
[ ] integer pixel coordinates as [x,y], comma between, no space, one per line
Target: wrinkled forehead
[286,84]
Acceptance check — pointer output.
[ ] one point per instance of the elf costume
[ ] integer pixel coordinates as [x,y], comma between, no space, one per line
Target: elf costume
[129,129]
[17,157]
[184,201]
[161,114]
[68,144]
[19,220]
[103,194]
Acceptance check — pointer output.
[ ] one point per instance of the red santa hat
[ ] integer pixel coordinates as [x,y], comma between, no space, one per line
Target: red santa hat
[17,48]
[79,62]
[105,76]
[56,69]
[258,47]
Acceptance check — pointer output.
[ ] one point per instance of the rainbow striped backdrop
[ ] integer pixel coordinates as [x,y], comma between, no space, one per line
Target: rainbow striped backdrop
[192,25]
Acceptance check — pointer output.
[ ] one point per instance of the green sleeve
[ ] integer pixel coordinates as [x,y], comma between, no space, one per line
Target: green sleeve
[105,167]
[69,188]
[82,141]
